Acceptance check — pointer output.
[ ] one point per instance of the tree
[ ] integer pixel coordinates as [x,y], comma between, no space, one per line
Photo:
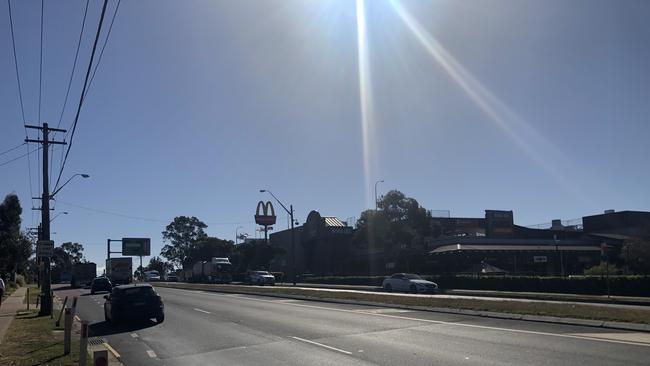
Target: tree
[157,264]
[254,255]
[15,246]
[207,247]
[636,255]
[180,235]
[74,251]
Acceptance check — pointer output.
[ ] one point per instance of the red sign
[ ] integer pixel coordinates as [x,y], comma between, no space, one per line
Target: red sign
[265,214]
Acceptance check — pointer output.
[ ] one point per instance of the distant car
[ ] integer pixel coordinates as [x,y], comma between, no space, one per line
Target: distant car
[100,284]
[171,277]
[260,278]
[133,302]
[151,276]
[408,282]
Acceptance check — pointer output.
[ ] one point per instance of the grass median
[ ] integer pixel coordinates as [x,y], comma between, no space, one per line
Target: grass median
[34,340]
[578,311]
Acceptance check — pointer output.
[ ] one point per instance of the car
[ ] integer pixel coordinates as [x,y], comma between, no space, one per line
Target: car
[408,282]
[171,277]
[134,302]
[100,284]
[260,278]
[151,276]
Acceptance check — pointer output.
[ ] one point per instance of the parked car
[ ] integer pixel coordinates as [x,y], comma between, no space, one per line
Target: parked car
[408,282]
[133,302]
[100,284]
[171,277]
[260,278]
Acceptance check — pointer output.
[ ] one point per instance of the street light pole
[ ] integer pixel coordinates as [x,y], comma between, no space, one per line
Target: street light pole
[377,182]
[237,233]
[293,235]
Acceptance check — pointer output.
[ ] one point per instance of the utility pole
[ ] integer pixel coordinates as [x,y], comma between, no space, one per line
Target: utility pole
[46,294]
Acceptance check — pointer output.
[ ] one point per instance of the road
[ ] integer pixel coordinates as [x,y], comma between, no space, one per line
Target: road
[204,328]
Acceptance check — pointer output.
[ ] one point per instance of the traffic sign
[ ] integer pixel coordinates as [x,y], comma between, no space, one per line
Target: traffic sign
[44,248]
[136,246]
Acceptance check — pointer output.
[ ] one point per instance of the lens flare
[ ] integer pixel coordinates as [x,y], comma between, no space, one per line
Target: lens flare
[520,132]
[365,98]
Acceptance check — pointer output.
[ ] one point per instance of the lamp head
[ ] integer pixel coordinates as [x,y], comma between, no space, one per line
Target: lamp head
[85,175]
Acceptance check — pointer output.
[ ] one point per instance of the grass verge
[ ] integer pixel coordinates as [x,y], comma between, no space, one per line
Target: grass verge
[33,340]
[578,311]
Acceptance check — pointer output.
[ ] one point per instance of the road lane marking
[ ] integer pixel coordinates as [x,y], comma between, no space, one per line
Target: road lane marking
[151,353]
[629,337]
[322,345]
[202,311]
[77,318]
[558,335]
[134,335]
[113,351]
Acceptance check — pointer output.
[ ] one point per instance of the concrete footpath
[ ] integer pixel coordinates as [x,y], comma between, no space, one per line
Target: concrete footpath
[8,309]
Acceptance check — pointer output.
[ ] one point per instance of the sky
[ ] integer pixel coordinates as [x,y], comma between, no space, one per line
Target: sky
[532,106]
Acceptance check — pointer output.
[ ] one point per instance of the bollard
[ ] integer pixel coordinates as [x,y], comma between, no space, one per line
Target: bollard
[28,298]
[58,321]
[83,343]
[74,306]
[38,298]
[67,332]
[52,297]
[100,358]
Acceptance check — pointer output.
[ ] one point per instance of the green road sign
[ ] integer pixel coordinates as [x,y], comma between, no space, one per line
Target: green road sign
[139,247]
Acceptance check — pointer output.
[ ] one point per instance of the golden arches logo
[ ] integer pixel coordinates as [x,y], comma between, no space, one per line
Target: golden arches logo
[265,213]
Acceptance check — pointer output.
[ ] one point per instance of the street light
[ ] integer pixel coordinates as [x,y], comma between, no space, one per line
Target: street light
[68,181]
[377,182]
[237,234]
[59,214]
[293,240]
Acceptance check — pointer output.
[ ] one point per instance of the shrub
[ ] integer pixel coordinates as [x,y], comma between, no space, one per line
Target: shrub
[20,280]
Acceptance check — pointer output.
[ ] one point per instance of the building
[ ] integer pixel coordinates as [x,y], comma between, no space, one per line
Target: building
[321,247]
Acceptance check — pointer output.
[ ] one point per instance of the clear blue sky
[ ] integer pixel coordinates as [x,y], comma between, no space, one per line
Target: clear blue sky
[533,106]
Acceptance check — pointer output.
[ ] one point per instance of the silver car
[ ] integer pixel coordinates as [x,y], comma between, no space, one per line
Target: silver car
[408,282]
[260,278]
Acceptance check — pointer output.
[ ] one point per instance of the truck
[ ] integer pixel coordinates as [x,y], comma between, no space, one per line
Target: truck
[119,270]
[83,274]
[216,270]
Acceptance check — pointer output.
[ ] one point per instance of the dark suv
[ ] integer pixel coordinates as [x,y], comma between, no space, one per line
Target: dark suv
[133,302]
[100,284]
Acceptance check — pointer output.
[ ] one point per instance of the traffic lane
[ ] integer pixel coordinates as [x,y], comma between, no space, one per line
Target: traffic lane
[485,343]
[91,308]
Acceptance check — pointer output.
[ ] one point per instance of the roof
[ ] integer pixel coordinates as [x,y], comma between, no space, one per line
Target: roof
[518,248]
[333,221]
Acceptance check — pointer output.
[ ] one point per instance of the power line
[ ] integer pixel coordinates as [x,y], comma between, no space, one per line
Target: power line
[74,64]
[101,53]
[19,157]
[40,72]
[12,149]
[13,42]
[105,212]
[83,91]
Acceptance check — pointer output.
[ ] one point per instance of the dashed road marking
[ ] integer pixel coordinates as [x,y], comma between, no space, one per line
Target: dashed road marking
[202,311]
[134,335]
[322,345]
[151,353]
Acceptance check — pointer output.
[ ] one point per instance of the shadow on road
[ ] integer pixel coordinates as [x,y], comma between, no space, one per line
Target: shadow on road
[104,328]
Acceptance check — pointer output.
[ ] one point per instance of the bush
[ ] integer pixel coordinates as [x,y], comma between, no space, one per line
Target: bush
[602,270]
[20,280]
[585,285]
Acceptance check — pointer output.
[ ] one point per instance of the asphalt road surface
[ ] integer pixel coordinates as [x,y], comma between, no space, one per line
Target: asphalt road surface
[204,328]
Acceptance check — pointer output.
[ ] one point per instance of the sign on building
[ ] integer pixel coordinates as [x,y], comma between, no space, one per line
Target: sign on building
[139,247]
[540,259]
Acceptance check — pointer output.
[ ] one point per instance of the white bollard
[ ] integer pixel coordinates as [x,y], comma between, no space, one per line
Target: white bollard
[67,331]
[100,358]
[83,343]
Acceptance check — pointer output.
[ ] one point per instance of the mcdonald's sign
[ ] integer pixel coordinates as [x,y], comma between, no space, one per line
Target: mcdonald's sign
[265,214]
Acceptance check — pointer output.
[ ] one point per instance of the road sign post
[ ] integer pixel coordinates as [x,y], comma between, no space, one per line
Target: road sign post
[83,343]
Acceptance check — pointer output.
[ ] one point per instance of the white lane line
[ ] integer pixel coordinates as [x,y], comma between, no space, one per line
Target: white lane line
[453,324]
[322,345]
[202,311]
[151,353]
[134,335]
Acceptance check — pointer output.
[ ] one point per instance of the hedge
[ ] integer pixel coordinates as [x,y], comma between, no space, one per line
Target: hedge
[619,285]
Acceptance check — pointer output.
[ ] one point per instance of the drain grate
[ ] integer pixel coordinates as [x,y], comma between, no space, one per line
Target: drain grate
[95,341]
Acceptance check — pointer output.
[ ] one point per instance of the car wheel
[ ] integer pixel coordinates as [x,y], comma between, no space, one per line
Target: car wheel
[414,289]
[388,288]
[160,318]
